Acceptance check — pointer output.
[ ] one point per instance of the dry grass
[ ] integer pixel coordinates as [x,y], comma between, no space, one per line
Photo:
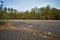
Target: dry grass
[34,32]
[7,24]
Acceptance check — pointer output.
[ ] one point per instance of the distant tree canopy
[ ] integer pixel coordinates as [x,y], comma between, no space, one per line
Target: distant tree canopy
[44,13]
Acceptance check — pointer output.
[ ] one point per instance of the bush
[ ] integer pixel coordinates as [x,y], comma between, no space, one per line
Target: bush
[3,22]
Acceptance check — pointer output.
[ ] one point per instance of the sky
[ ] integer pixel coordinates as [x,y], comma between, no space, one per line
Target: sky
[23,5]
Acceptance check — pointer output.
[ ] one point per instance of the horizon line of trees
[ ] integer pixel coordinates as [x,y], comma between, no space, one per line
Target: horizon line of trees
[44,13]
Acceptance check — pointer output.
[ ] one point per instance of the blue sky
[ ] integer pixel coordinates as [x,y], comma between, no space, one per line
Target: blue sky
[24,5]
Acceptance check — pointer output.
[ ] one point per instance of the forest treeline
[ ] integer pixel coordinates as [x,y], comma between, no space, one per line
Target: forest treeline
[43,13]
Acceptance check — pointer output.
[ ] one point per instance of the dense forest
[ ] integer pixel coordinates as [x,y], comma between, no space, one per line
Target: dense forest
[43,13]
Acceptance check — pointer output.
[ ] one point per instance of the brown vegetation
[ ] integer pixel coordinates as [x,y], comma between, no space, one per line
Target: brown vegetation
[4,24]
